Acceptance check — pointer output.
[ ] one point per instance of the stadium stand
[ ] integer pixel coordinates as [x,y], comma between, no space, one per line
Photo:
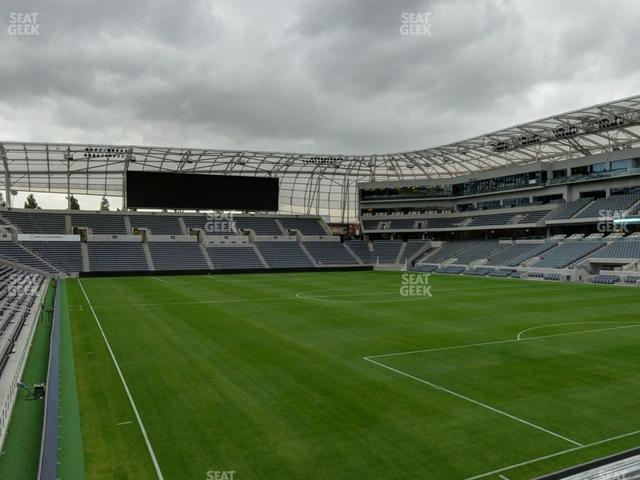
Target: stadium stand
[31,222]
[211,226]
[105,224]
[330,253]
[370,224]
[614,203]
[157,224]
[450,250]
[501,273]
[451,269]
[479,251]
[533,217]
[491,220]
[19,291]
[567,253]
[177,256]
[620,249]
[569,209]
[516,253]
[283,254]
[426,267]
[55,257]
[361,249]
[117,256]
[552,276]
[19,306]
[478,271]
[403,224]
[65,256]
[14,252]
[605,279]
[445,222]
[306,226]
[412,248]
[260,225]
[386,251]
[234,257]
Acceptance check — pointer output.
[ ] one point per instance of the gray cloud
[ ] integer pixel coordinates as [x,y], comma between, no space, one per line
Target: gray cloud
[330,76]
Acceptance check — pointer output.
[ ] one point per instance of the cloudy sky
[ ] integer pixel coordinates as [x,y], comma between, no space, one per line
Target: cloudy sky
[327,76]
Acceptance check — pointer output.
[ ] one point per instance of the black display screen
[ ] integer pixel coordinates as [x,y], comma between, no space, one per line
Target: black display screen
[193,191]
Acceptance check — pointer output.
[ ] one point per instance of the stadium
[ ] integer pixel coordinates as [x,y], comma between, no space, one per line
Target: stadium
[464,311]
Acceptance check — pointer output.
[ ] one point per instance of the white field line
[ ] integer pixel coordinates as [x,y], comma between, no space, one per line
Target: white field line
[498,342]
[552,455]
[192,302]
[390,300]
[160,280]
[519,336]
[126,388]
[476,402]
[244,300]
[124,423]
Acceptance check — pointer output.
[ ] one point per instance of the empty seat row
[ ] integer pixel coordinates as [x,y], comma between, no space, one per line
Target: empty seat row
[605,279]
[451,250]
[102,224]
[117,257]
[177,256]
[569,209]
[306,226]
[14,252]
[386,251]
[157,224]
[620,249]
[567,253]
[65,256]
[234,257]
[495,219]
[283,254]
[604,207]
[37,222]
[18,294]
[479,251]
[330,253]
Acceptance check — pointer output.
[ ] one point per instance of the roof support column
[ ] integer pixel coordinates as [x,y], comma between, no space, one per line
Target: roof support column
[68,158]
[7,176]
[127,160]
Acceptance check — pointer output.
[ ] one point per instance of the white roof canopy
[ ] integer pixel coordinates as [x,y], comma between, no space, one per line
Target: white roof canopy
[324,184]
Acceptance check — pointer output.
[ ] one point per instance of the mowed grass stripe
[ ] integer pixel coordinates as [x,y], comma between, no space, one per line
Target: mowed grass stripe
[152,454]
[110,451]
[280,388]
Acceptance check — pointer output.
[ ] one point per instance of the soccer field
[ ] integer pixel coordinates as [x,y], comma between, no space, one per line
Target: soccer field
[338,376]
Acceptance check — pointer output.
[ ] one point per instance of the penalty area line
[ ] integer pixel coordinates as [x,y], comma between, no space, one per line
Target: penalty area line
[476,402]
[509,340]
[126,387]
[553,455]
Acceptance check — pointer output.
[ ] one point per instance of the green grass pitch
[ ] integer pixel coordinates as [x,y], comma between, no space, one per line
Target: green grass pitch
[338,376]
